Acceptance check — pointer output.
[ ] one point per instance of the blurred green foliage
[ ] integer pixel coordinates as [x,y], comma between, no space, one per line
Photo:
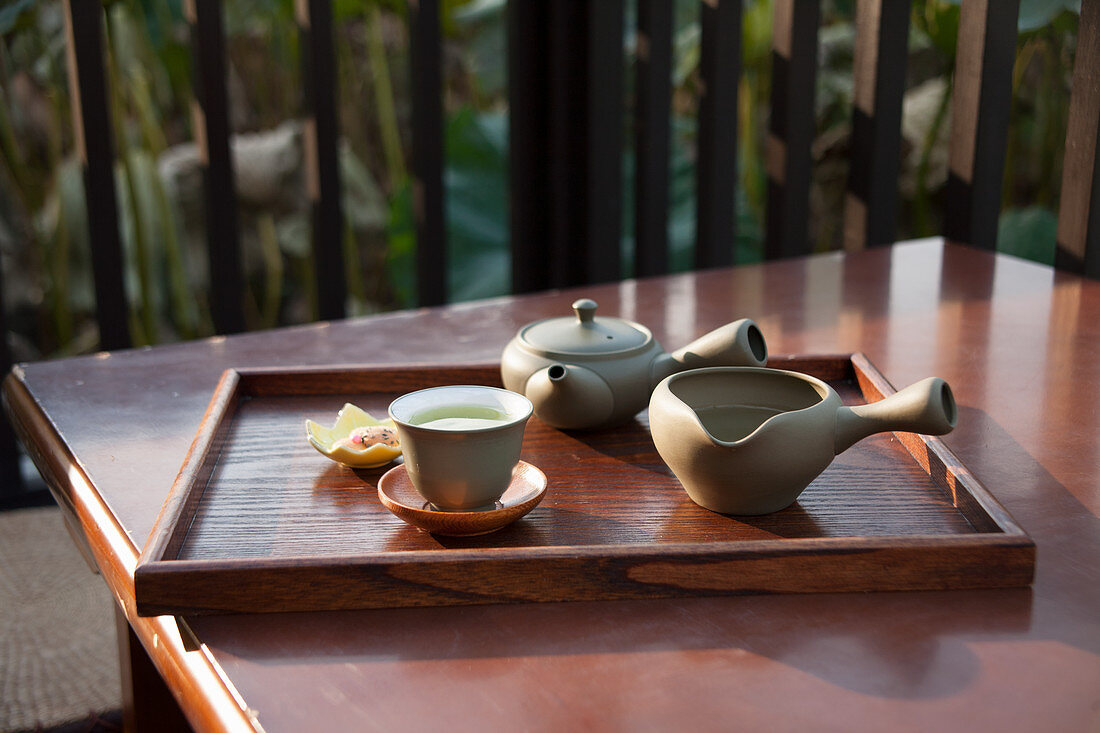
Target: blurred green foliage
[43,223]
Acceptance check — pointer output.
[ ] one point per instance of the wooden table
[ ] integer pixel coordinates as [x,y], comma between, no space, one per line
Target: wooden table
[1019,343]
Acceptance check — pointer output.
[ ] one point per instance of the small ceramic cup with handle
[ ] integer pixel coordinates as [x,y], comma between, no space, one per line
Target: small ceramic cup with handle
[461,443]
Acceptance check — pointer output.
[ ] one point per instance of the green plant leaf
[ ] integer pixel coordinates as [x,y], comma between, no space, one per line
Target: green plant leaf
[757,34]
[1035,14]
[686,51]
[476,198]
[748,237]
[938,21]
[147,228]
[364,203]
[401,245]
[12,13]
[295,236]
[1030,233]
[479,10]
[477,205]
[483,23]
[343,10]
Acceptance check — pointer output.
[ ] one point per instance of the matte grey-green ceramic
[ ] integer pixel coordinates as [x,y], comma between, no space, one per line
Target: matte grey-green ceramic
[748,441]
[461,442]
[589,371]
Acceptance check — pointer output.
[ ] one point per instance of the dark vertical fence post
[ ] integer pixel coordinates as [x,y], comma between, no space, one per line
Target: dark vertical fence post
[980,104]
[426,65]
[528,143]
[11,481]
[1079,211]
[568,141]
[604,176]
[92,127]
[651,137]
[716,166]
[871,204]
[565,91]
[210,111]
[322,165]
[791,127]
[585,80]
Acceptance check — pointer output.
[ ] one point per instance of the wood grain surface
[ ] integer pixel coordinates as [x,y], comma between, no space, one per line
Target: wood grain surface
[259,521]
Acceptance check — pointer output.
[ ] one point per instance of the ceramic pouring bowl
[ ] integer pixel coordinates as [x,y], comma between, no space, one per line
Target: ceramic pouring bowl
[746,440]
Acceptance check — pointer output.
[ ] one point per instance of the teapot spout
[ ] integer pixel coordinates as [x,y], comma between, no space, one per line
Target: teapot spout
[735,344]
[568,396]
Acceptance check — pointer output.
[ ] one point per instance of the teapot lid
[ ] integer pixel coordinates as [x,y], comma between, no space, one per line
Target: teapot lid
[585,333]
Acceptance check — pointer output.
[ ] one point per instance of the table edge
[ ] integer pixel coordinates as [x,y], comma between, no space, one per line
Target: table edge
[202,689]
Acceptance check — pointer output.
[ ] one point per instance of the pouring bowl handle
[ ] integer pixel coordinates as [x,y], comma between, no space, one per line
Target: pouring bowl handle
[926,407]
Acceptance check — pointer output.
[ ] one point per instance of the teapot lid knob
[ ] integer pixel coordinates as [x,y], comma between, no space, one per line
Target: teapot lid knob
[585,308]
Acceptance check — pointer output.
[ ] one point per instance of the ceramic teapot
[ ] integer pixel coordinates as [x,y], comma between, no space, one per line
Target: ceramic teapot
[748,441]
[589,371]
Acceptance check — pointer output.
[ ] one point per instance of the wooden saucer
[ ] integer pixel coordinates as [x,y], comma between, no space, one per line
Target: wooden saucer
[397,493]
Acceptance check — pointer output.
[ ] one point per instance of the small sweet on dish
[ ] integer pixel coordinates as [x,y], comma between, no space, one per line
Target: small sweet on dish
[358,439]
[362,438]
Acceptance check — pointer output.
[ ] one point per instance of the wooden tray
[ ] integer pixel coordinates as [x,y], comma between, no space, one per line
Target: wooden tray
[259,521]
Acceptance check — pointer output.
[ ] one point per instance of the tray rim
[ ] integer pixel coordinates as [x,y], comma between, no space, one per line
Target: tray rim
[1001,532]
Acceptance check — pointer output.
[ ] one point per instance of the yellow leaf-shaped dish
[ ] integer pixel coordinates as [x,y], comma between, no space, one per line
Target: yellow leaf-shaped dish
[334,442]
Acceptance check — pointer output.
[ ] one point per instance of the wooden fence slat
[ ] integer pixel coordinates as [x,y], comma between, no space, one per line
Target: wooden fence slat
[653,98]
[92,127]
[791,127]
[322,163]
[716,164]
[426,70]
[528,144]
[210,110]
[1079,211]
[881,51]
[980,104]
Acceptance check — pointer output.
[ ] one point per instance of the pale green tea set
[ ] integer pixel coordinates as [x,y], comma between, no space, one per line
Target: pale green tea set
[741,438]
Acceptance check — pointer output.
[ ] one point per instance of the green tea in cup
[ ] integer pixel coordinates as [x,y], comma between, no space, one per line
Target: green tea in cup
[461,443]
[459,417]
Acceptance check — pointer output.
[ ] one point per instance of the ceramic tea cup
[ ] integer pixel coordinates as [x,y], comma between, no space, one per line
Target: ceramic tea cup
[746,440]
[461,443]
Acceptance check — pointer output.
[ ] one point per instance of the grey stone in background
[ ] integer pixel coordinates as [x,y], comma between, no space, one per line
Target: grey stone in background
[269,170]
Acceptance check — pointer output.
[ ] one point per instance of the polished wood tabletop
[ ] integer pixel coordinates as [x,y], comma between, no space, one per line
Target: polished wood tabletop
[1018,342]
